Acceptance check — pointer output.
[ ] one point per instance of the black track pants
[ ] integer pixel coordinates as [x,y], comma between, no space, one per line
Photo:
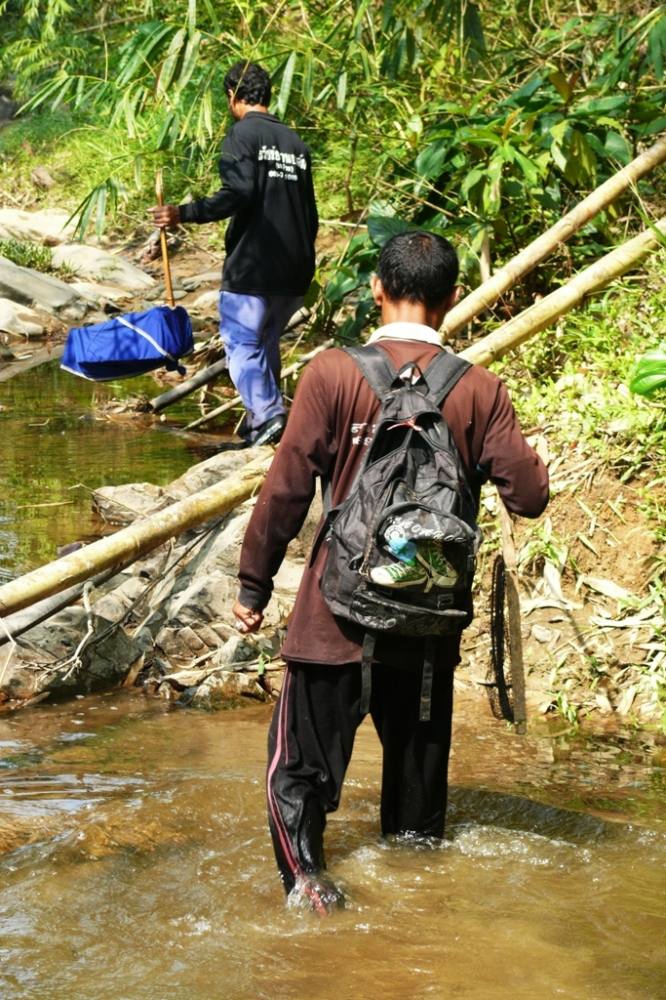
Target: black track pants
[310,744]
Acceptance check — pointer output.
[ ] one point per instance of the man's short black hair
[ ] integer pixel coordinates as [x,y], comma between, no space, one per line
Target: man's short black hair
[248,82]
[418,267]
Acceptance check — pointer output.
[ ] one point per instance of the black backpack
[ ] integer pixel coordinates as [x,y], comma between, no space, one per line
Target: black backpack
[402,545]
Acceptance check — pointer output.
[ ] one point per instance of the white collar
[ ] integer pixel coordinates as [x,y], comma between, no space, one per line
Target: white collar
[406,331]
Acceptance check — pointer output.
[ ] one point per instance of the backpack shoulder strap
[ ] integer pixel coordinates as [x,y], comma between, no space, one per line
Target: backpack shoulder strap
[375,367]
[443,372]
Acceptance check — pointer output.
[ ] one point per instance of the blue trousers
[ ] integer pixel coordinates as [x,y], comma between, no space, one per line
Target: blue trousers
[250,327]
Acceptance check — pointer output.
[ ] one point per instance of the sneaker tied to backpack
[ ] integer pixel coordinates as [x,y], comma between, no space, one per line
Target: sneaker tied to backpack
[399,574]
[439,570]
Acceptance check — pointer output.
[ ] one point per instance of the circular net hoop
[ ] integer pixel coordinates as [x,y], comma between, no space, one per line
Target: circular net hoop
[500,692]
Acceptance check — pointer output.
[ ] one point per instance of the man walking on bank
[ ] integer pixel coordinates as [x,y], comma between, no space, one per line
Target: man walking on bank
[319,709]
[267,191]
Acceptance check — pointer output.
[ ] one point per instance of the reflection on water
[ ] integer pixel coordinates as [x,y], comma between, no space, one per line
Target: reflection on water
[53,451]
[137,864]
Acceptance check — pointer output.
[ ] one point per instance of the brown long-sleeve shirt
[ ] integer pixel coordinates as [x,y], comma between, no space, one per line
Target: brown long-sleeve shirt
[329,427]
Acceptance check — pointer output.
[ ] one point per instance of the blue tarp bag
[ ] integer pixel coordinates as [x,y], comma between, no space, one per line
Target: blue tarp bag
[129,345]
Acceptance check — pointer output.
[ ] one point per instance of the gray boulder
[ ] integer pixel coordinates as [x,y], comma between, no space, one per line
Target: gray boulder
[18,319]
[32,288]
[93,262]
[50,225]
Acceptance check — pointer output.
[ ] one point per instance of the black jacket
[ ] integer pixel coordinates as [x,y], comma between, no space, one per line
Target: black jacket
[267,188]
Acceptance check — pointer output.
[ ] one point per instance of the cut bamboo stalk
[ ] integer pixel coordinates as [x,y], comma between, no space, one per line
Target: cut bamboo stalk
[236,401]
[16,624]
[128,544]
[487,294]
[515,640]
[616,263]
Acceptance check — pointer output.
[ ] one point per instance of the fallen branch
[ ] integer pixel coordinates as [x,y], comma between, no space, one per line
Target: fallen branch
[158,403]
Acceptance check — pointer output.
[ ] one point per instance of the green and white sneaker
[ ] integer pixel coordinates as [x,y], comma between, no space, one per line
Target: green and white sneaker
[398,574]
[439,570]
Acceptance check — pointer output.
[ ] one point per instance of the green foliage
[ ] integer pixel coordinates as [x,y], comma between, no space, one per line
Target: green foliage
[33,255]
[649,375]
[486,121]
[26,254]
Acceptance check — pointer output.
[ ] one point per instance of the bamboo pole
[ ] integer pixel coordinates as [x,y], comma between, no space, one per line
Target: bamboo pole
[236,401]
[130,543]
[543,313]
[515,640]
[490,291]
[203,377]
[23,621]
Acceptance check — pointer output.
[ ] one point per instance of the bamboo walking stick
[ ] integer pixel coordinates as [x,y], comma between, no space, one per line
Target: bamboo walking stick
[168,287]
[487,294]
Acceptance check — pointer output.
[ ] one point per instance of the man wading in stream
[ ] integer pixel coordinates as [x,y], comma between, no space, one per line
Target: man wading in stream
[267,190]
[319,709]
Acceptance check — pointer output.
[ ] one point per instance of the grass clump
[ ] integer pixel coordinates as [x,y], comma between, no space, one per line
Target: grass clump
[27,254]
[35,256]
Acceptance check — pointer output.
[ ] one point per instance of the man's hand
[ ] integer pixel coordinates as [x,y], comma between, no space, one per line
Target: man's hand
[247,620]
[165,216]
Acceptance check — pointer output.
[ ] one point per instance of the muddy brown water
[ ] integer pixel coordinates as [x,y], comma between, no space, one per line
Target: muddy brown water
[137,864]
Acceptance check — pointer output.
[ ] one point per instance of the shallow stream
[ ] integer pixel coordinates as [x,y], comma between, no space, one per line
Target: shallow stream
[137,864]
[55,448]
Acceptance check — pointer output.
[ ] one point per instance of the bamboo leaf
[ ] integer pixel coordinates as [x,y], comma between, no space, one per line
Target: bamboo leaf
[307,80]
[190,59]
[100,211]
[341,92]
[135,55]
[285,86]
[170,62]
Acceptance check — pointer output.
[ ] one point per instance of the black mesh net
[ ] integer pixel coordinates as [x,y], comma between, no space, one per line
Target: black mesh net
[498,683]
